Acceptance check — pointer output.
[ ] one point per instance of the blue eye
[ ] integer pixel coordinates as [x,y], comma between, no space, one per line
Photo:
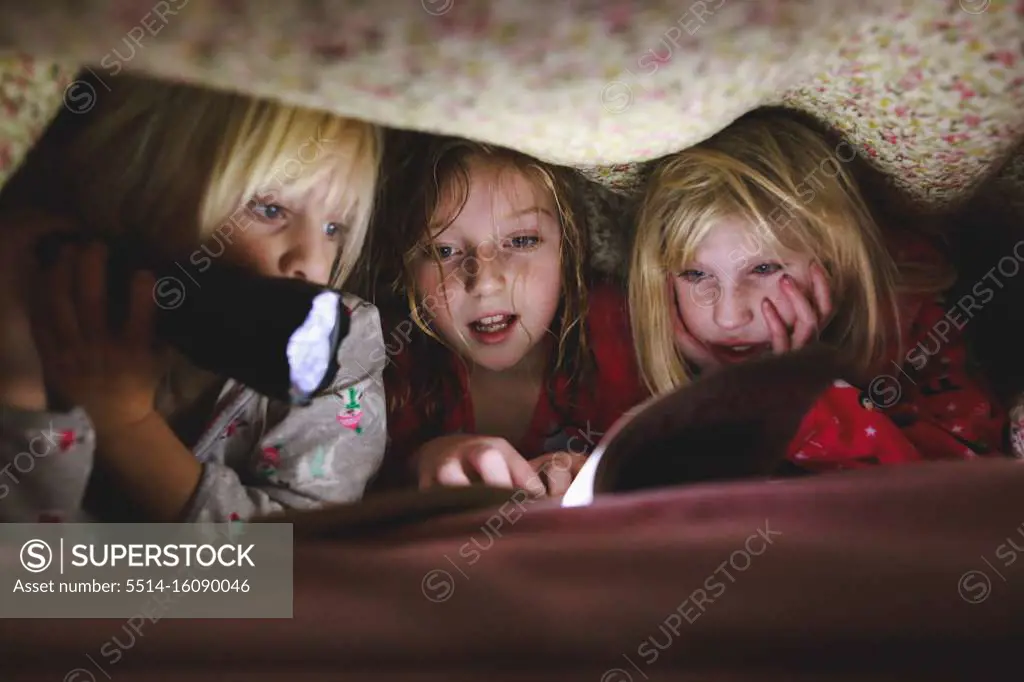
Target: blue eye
[766,269]
[440,251]
[524,241]
[692,275]
[266,211]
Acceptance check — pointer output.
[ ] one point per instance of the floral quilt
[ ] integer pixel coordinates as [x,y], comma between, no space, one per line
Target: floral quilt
[931,91]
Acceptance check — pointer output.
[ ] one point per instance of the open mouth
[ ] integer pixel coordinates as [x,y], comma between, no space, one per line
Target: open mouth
[493,328]
[739,353]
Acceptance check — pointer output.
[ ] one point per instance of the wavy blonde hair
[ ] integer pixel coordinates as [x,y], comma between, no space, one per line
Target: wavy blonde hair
[171,163]
[784,177]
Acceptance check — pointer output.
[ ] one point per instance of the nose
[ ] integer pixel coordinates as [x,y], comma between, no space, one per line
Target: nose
[307,255]
[486,274]
[732,310]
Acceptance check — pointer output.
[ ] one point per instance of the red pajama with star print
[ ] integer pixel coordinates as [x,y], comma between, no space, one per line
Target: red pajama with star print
[926,406]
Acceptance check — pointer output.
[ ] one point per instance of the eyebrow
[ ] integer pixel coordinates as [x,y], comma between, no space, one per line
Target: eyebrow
[525,211]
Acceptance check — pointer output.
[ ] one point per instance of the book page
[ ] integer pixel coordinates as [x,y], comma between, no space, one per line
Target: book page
[581,490]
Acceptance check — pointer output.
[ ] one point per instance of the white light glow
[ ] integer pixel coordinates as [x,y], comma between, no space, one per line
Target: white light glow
[309,348]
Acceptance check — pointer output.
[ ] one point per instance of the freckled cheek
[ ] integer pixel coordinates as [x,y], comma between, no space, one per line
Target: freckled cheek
[532,272]
[429,291]
[328,255]
[697,318]
[703,294]
[545,278]
[438,312]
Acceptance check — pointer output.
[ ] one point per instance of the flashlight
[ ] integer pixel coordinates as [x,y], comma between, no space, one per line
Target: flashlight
[278,336]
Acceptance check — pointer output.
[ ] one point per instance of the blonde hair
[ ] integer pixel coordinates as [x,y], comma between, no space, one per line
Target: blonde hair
[783,177]
[171,163]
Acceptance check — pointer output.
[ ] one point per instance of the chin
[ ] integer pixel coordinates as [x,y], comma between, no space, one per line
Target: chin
[496,362]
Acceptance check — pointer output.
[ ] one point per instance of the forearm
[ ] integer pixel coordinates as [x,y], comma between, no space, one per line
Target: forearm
[334,472]
[152,465]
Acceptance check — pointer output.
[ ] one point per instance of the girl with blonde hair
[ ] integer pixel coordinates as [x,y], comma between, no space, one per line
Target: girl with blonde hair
[508,353]
[194,175]
[758,241]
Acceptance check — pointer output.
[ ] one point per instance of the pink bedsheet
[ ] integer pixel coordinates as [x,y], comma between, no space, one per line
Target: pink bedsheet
[903,573]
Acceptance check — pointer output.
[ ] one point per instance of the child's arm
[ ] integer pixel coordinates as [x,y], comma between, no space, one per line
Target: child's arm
[149,462]
[323,453]
[111,376]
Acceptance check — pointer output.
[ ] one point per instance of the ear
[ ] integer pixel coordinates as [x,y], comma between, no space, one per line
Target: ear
[731,424]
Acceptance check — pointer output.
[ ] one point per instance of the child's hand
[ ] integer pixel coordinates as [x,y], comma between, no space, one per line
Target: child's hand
[457,460]
[811,318]
[112,375]
[21,373]
[557,470]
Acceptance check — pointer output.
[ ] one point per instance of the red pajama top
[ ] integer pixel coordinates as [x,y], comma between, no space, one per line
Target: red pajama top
[583,414]
[925,406]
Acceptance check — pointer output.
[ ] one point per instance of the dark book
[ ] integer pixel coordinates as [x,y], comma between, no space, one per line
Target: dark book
[731,424]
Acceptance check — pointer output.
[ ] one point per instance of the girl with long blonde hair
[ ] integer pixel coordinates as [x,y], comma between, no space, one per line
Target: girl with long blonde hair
[193,175]
[759,241]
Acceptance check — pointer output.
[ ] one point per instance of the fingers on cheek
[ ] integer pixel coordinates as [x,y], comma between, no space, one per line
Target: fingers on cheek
[769,311]
[783,302]
[776,326]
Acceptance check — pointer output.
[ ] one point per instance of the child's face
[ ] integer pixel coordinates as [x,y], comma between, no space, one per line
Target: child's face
[719,294]
[287,234]
[501,269]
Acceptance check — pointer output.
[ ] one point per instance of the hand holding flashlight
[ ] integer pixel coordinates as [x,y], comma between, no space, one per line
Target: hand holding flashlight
[111,372]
